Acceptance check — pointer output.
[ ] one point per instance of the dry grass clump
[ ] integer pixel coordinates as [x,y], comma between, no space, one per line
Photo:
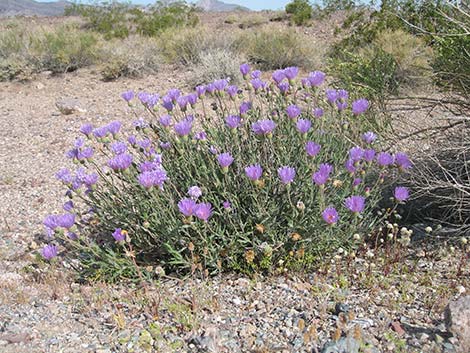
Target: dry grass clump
[271,49]
[411,54]
[184,46]
[131,57]
[216,64]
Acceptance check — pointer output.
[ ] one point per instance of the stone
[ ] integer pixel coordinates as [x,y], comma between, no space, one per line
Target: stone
[69,106]
[457,319]
[343,345]
[341,308]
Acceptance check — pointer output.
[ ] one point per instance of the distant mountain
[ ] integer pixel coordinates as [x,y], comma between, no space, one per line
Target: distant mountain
[31,7]
[218,6]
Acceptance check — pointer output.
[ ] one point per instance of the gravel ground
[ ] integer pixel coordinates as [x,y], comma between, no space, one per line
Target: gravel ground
[43,310]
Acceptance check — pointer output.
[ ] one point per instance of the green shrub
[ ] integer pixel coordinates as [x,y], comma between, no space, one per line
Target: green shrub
[272,49]
[214,64]
[300,11]
[131,57]
[65,49]
[249,21]
[169,196]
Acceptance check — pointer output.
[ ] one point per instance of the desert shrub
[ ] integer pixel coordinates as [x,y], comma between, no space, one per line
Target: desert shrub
[163,16]
[275,174]
[272,49]
[300,11]
[64,49]
[131,57]
[252,20]
[213,64]
[184,46]
[373,74]
[442,180]
[115,19]
[231,19]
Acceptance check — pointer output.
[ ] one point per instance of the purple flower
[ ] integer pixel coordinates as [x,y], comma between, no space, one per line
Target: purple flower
[233,121]
[90,179]
[312,148]
[213,150]
[303,125]
[293,111]
[165,145]
[384,159]
[305,83]
[167,103]
[86,129]
[369,155]
[200,91]
[50,222]
[321,176]
[244,107]
[357,181]
[341,105]
[132,140]
[286,174]
[220,84]
[350,166]
[316,78]
[184,127]
[127,96]
[278,76]
[203,211]
[173,94]
[360,106]
[257,83]
[165,120]
[369,137]
[49,252]
[119,147]
[140,123]
[254,172]
[225,159]
[330,215]
[182,102]
[186,206]
[120,162]
[291,72]
[155,177]
[119,234]
[263,127]
[355,204]
[114,127]
[144,144]
[64,175]
[245,69]
[192,99]
[283,87]
[232,91]
[200,136]
[195,192]
[402,161]
[256,74]
[343,94]
[356,153]
[318,112]
[66,220]
[100,132]
[210,88]
[68,206]
[401,193]
[331,95]
[227,205]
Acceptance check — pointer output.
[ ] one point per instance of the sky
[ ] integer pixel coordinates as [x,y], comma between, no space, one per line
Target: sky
[252,4]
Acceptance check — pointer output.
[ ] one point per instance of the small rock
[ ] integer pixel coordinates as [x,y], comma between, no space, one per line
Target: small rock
[343,345]
[397,328]
[341,308]
[69,106]
[457,318]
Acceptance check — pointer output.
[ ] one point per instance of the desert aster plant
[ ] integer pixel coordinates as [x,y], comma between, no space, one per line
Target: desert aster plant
[330,215]
[286,174]
[49,252]
[355,204]
[312,148]
[254,172]
[263,127]
[401,193]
